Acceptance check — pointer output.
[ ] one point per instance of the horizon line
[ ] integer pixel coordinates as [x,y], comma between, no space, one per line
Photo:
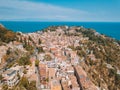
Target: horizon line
[52,21]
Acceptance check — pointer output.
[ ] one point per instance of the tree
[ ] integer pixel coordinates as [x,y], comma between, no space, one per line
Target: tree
[30,38]
[24,82]
[24,71]
[117,79]
[40,50]
[24,61]
[18,75]
[71,47]
[37,63]
[27,85]
[1,77]
[27,45]
[47,57]
[6,35]
[8,51]
[5,87]
[39,41]
[32,85]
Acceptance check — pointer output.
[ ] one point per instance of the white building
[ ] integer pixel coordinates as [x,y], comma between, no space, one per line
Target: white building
[10,77]
[19,70]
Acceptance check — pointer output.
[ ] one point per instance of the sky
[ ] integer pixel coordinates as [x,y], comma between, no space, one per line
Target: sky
[60,10]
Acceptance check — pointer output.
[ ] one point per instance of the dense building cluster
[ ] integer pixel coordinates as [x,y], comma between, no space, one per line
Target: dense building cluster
[57,58]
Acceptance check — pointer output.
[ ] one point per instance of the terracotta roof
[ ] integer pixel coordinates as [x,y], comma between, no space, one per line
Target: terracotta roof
[17,43]
[84,80]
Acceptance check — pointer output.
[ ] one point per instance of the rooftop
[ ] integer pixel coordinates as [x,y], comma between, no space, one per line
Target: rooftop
[10,72]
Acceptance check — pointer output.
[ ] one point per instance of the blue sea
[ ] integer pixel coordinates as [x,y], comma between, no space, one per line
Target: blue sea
[111,29]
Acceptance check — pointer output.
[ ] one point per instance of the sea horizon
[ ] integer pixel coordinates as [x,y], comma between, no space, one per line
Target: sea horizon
[111,29]
[60,44]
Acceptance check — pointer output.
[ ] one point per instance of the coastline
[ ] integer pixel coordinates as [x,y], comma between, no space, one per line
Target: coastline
[111,29]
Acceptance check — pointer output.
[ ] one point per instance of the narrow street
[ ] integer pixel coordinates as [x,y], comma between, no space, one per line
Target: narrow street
[38,79]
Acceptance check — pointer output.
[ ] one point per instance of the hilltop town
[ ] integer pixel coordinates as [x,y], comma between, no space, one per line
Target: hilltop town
[59,58]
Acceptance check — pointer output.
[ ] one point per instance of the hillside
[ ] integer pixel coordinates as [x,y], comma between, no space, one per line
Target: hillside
[6,35]
[104,69]
[98,55]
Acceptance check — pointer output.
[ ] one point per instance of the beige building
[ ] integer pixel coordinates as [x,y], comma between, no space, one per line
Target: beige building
[55,85]
[52,73]
[10,77]
[84,82]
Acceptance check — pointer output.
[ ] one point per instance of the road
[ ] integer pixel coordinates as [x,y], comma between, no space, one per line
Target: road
[38,79]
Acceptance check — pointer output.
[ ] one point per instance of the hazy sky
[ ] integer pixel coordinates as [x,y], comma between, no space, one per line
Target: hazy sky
[60,10]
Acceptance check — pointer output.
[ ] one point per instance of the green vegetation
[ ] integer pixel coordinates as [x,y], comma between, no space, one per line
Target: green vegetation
[96,38]
[47,57]
[18,75]
[9,65]
[37,63]
[25,71]
[24,61]
[8,51]
[6,35]
[112,72]
[27,45]
[80,53]
[117,80]
[1,77]
[5,87]
[24,82]
[72,47]
[27,85]
[51,28]
[30,39]
[118,41]
[39,41]
[40,50]
[106,51]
